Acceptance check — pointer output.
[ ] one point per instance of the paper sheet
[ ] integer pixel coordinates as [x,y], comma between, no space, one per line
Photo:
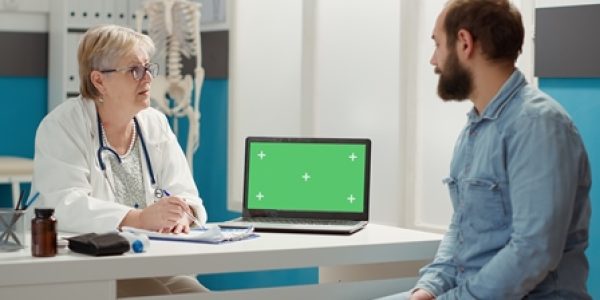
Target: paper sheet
[213,234]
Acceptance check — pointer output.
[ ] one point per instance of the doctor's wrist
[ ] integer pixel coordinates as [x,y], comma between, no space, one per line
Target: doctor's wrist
[132,219]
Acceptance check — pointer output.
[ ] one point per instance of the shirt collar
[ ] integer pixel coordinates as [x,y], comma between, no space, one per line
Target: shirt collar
[504,95]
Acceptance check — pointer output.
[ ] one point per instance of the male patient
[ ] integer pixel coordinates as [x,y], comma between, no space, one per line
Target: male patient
[519,178]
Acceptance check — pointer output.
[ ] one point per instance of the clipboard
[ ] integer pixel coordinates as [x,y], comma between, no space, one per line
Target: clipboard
[212,234]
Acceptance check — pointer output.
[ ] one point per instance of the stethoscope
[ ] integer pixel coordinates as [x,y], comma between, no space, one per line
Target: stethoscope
[158,192]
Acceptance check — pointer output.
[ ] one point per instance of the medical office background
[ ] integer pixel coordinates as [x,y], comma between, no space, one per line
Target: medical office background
[330,68]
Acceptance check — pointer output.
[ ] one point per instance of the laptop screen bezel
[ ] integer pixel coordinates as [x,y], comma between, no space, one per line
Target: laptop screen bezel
[363,216]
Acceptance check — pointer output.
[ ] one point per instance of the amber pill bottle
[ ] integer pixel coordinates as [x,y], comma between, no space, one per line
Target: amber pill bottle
[43,233]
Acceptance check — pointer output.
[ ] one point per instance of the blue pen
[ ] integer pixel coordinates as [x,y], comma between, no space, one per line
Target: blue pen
[31,200]
[194,219]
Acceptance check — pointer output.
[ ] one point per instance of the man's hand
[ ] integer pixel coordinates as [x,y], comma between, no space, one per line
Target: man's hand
[421,294]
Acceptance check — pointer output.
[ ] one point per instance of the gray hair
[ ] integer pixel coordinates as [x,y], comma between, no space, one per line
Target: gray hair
[102,45]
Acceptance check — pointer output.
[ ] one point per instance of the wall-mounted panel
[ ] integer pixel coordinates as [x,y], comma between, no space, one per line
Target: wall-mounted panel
[24,54]
[566,43]
[215,53]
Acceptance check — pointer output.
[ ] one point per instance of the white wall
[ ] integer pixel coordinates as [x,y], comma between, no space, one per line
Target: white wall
[24,15]
[559,3]
[365,73]
[328,69]
[437,127]
[264,79]
[356,83]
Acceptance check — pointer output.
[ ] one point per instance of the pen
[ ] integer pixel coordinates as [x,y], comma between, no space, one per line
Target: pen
[17,216]
[31,200]
[8,232]
[190,216]
[194,219]
[17,207]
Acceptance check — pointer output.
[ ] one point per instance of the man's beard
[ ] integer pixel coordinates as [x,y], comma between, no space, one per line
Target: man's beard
[455,82]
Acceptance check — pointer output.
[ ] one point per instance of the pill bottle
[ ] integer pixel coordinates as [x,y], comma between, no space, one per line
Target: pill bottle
[138,242]
[43,233]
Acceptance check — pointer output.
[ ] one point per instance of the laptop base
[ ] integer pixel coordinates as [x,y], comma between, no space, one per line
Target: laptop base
[297,228]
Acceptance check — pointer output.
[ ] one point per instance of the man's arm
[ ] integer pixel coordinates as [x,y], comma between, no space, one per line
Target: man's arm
[543,165]
[439,276]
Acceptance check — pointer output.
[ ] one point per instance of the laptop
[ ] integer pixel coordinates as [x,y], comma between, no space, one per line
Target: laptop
[309,185]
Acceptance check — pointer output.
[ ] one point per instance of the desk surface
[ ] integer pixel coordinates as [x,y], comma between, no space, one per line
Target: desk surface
[374,244]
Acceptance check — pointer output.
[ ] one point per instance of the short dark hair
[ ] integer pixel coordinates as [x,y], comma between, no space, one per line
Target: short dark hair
[495,24]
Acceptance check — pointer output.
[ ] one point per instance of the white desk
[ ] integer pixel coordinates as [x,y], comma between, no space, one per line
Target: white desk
[75,276]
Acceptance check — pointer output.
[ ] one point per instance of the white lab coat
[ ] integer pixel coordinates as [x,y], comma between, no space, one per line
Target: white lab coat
[69,178]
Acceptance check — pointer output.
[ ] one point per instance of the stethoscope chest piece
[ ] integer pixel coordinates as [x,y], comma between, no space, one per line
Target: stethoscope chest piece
[158,193]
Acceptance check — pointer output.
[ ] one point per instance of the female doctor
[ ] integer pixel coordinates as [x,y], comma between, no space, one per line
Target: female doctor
[106,159]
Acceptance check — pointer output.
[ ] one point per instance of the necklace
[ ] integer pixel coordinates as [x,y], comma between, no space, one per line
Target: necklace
[131,142]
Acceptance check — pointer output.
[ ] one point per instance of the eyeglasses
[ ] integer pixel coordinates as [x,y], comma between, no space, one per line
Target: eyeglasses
[138,72]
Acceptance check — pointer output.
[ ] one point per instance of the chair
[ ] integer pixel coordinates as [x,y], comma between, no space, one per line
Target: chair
[15,170]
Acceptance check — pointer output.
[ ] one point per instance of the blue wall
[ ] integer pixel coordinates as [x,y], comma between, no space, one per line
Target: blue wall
[581,98]
[24,101]
[23,104]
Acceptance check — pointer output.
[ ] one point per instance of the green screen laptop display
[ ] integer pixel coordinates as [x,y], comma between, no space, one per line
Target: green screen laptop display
[320,175]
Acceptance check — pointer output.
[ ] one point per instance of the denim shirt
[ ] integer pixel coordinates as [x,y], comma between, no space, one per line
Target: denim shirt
[519,183]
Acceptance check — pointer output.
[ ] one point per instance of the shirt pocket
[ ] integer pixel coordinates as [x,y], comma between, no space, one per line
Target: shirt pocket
[452,190]
[484,204]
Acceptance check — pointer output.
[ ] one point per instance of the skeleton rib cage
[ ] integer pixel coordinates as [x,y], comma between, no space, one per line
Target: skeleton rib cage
[174,26]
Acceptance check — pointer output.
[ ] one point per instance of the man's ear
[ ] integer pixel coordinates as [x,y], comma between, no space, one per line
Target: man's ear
[98,81]
[465,44]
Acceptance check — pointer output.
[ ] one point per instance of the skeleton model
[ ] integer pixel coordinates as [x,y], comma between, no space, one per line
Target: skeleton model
[174,26]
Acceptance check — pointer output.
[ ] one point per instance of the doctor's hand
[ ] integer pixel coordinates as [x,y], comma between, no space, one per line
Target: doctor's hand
[183,225]
[165,215]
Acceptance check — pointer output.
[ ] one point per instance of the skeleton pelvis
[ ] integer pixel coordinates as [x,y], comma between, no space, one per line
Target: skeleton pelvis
[177,90]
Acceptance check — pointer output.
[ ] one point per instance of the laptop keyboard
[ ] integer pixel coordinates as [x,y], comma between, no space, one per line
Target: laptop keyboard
[302,221]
